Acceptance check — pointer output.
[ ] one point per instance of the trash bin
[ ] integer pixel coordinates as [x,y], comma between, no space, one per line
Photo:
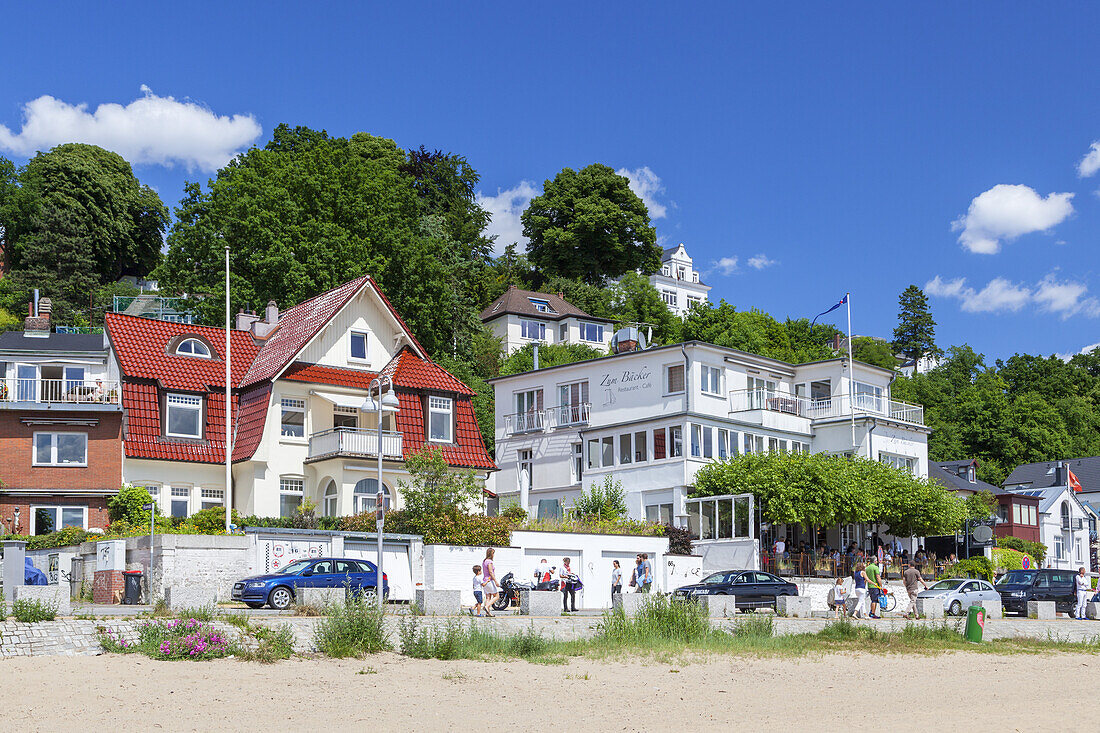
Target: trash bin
[975,624]
[132,593]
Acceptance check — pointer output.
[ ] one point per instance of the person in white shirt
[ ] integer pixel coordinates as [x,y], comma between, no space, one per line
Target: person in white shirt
[780,547]
[1082,585]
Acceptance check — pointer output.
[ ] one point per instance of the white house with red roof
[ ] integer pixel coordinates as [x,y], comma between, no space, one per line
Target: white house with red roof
[300,379]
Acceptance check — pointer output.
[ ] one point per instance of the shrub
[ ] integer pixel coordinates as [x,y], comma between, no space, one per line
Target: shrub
[463,529]
[272,644]
[602,501]
[31,612]
[1009,559]
[604,526]
[351,629]
[973,567]
[1037,550]
[679,539]
[209,521]
[514,513]
[127,503]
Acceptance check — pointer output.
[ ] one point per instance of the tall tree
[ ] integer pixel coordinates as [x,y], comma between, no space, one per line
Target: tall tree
[588,224]
[634,301]
[874,351]
[75,218]
[915,335]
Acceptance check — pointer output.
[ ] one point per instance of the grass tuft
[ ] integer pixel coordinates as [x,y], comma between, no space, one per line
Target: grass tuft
[31,612]
[352,629]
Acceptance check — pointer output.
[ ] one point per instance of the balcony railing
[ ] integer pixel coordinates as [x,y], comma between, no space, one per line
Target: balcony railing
[535,421]
[354,442]
[823,408]
[60,391]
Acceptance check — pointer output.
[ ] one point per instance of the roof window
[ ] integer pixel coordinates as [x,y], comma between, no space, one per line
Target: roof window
[542,306]
[193,347]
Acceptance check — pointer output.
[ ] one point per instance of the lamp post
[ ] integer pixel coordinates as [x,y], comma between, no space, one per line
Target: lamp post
[387,402]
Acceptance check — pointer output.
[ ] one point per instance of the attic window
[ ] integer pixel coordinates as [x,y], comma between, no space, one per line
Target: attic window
[970,474]
[193,347]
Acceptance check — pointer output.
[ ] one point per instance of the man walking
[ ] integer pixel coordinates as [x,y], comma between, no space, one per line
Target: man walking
[912,579]
[874,586]
[1081,585]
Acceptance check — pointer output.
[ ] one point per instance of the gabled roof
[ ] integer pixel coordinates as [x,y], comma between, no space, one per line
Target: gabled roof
[518,302]
[941,473]
[250,418]
[1048,496]
[408,370]
[1043,474]
[143,427]
[142,348]
[299,325]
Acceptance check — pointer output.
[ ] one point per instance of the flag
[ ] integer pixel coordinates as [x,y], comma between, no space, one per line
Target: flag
[830,310]
[1073,482]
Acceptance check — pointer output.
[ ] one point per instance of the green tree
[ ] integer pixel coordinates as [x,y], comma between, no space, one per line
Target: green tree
[308,212]
[76,218]
[915,335]
[522,359]
[435,490]
[127,505]
[602,501]
[980,505]
[588,224]
[635,302]
[874,351]
[757,332]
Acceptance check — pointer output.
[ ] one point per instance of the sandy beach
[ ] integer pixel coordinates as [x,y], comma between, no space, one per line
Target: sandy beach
[1019,692]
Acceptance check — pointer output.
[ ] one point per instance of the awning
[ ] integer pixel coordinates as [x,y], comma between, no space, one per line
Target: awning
[342,400]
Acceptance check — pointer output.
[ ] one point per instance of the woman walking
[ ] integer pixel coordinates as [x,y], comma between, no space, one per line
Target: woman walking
[616,578]
[568,585]
[859,584]
[489,578]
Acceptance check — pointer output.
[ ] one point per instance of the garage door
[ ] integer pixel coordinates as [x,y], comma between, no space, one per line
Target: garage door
[395,564]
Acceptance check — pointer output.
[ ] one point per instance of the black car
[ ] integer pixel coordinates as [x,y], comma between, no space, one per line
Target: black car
[1017,587]
[752,588]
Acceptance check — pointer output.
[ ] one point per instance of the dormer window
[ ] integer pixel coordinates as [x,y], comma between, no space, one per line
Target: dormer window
[193,347]
[970,474]
[542,306]
[440,419]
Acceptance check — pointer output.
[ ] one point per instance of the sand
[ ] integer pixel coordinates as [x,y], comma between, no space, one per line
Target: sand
[957,691]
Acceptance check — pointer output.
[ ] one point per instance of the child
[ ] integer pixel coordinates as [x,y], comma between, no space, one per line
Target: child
[476,610]
[837,598]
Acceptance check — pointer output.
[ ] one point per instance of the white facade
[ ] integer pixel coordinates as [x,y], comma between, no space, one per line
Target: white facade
[516,331]
[651,419]
[678,281]
[1064,529]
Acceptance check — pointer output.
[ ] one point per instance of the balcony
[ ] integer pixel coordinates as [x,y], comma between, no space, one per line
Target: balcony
[836,406]
[76,394]
[537,421]
[353,443]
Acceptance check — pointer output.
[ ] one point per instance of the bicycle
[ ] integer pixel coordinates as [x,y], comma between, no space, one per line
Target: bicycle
[887,601]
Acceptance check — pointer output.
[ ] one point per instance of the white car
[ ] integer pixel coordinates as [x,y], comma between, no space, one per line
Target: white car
[960,593]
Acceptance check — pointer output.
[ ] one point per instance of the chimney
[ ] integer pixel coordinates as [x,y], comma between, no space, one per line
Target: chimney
[245,319]
[261,329]
[271,314]
[37,325]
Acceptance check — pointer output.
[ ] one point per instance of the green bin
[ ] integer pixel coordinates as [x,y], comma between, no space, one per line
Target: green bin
[975,624]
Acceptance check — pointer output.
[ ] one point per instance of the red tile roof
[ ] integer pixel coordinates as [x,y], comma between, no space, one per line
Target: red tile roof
[141,345]
[251,417]
[409,370]
[468,450]
[300,371]
[143,428]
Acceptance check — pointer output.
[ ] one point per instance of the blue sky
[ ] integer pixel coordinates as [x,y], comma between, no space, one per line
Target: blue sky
[832,145]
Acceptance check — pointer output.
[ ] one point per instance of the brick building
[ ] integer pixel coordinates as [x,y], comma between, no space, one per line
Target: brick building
[60,428]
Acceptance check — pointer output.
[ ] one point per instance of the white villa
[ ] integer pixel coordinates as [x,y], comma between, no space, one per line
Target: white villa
[520,317]
[678,281]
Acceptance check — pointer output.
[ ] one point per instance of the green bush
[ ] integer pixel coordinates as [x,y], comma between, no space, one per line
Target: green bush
[352,629]
[127,503]
[514,513]
[464,529]
[271,644]
[974,567]
[211,520]
[31,612]
[602,501]
[1037,550]
[1009,559]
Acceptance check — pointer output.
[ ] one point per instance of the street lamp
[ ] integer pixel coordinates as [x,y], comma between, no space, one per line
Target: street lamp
[387,402]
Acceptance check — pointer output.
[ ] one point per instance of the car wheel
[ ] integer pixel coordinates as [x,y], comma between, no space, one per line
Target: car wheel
[281,598]
[254,604]
[956,608]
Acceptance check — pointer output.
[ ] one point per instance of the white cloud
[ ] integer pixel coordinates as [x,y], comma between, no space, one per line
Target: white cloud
[1006,212]
[724,266]
[506,208]
[1084,350]
[1049,295]
[1091,162]
[149,130]
[647,185]
[760,261]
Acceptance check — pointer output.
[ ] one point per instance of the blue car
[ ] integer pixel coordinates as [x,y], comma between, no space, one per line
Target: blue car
[279,589]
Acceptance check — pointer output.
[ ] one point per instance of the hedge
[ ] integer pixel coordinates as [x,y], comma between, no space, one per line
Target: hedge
[1010,559]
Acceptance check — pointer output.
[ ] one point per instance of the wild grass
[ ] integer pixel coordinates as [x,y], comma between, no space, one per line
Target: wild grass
[458,640]
[265,644]
[352,629]
[30,612]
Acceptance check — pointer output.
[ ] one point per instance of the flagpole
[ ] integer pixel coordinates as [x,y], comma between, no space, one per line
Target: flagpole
[851,372]
[228,408]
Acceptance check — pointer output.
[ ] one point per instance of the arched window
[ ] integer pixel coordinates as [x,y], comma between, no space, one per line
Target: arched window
[364,495]
[193,347]
[330,499]
[1065,515]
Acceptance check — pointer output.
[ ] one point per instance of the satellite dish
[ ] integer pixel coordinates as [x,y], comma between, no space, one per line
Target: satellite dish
[626,340]
[982,533]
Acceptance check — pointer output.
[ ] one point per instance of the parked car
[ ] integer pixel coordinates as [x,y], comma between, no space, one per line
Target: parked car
[958,594]
[278,589]
[752,588]
[1017,587]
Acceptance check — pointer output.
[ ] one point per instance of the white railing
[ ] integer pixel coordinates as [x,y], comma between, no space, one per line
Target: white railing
[354,441]
[535,421]
[66,391]
[825,407]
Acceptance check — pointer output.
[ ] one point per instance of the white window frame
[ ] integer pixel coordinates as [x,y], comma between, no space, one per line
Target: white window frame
[291,486]
[526,325]
[57,515]
[668,382]
[625,445]
[189,405]
[436,407]
[330,503]
[368,501]
[675,447]
[212,497]
[542,306]
[563,332]
[526,460]
[292,404]
[710,380]
[180,492]
[53,462]
[597,331]
[577,462]
[669,297]
[365,358]
[908,463]
[193,353]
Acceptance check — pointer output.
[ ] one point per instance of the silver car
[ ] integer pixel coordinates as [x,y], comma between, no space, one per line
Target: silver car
[960,593]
